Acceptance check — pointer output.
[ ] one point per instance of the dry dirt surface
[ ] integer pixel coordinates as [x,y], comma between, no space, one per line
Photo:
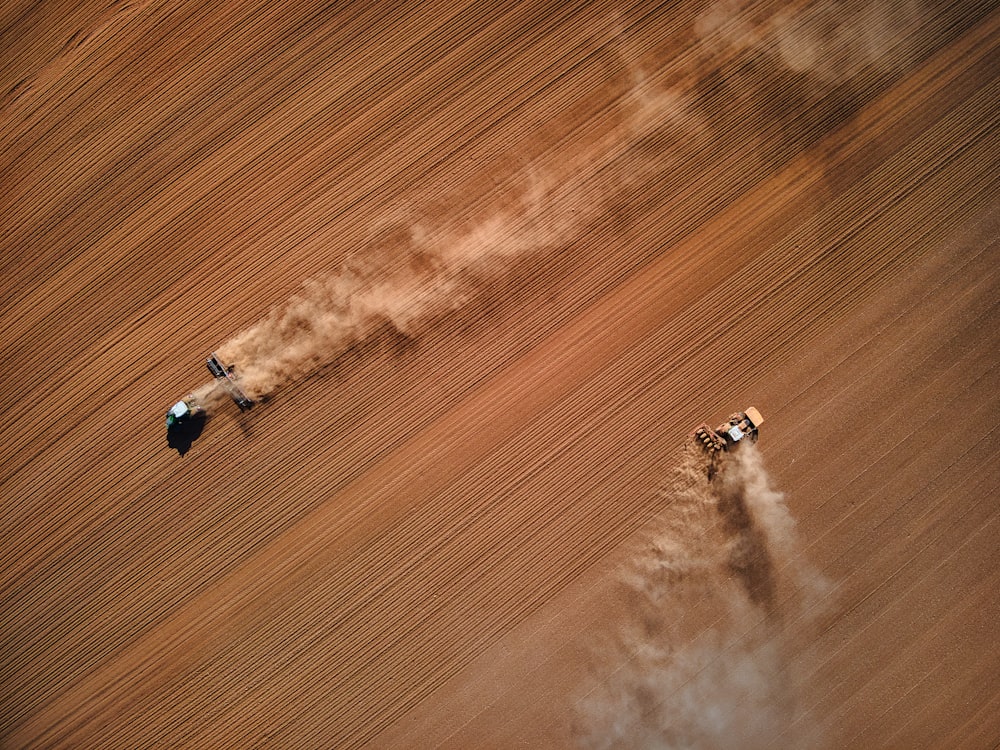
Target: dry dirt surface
[485,266]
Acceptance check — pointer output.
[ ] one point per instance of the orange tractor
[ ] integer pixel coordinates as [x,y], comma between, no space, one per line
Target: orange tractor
[743,425]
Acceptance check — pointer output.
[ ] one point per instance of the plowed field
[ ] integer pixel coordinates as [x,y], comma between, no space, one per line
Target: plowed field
[485,266]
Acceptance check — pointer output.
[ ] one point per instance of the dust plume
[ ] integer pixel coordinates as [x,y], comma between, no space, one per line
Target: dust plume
[838,42]
[833,41]
[783,79]
[414,273]
[407,279]
[661,116]
[702,658]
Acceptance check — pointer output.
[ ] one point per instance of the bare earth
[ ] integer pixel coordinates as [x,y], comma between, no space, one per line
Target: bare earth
[547,240]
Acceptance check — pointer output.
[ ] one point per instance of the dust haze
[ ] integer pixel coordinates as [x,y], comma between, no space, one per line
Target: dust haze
[833,41]
[663,109]
[710,604]
[411,277]
[415,273]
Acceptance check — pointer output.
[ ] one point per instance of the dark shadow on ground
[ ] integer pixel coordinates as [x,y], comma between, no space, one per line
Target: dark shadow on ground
[749,557]
[183,434]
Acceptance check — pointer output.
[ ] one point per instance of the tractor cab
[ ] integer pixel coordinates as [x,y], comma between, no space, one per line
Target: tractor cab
[179,413]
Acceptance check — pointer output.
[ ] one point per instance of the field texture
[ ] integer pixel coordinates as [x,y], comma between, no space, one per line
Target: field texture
[485,266]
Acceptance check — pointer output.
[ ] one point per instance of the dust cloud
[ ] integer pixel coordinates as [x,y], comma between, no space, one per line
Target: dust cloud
[414,274]
[838,42]
[407,280]
[833,41]
[710,601]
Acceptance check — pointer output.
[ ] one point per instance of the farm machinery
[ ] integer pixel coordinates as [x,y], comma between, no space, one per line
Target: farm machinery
[186,409]
[742,425]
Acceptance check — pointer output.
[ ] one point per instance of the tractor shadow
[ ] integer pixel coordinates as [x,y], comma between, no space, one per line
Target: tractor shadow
[181,436]
[750,559]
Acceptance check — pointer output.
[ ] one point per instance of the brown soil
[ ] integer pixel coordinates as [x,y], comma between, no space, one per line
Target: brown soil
[464,515]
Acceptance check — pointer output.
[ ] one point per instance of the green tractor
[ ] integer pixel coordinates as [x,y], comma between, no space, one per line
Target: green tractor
[185,410]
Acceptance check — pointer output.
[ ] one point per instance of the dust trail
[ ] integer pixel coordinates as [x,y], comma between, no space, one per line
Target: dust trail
[417,272]
[787,78]
[661,113]
[838,41]
[702,658]
[406,281]
[833,41]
